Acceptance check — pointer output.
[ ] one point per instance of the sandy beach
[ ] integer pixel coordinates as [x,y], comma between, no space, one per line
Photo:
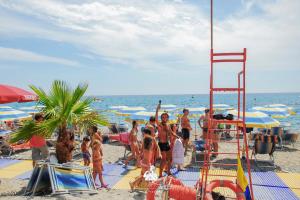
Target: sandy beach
[286,160]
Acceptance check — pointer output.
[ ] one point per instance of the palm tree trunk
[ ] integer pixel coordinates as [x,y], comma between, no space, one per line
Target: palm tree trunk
[64,146]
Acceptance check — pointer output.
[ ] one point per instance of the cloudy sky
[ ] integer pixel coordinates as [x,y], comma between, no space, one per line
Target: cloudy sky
[148,46]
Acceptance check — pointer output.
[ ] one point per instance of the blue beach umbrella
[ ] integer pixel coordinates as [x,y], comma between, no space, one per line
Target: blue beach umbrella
[273,112]
[8,114]
[256,119]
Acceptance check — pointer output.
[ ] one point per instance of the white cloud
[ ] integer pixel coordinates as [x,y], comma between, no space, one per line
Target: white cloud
[159,34]
[9,54]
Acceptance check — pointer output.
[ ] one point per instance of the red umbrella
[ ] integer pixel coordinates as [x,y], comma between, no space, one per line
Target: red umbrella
[9,94]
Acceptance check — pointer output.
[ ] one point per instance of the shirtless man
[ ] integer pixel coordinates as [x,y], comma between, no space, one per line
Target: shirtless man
[186,128]
[214,136]
[164,132]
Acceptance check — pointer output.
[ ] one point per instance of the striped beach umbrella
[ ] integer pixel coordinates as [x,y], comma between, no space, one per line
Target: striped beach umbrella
[4,132]
[30,109]
[221,107]
[8,114]
[282,106]
[196,112]
[256,119]
[273,112]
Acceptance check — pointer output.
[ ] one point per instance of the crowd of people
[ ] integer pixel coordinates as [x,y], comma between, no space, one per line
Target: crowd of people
[161,143]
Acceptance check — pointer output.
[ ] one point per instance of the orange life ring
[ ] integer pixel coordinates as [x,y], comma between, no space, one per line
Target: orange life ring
[224,183]
[180,192]
[154,185]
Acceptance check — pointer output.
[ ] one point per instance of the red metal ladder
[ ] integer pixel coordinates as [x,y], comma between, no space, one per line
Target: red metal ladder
[239,123]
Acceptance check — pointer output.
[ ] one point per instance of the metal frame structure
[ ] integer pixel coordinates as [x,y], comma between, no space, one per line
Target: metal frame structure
[239,122]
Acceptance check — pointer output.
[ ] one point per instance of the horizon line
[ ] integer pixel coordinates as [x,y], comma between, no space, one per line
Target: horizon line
[220,93]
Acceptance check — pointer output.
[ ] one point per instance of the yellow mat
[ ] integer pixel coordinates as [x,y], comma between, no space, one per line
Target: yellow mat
[123,184]
[292,180]
[16,169]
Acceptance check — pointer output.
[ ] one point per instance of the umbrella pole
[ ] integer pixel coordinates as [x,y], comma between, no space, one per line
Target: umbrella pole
[195,130]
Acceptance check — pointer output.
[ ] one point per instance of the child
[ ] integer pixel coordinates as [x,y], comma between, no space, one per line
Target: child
[145,162]
[97,162]
[85,151]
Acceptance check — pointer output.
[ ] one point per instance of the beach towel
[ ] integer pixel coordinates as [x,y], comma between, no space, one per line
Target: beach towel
[178,153]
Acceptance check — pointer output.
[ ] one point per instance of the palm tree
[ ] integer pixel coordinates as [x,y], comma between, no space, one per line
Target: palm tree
[63,107]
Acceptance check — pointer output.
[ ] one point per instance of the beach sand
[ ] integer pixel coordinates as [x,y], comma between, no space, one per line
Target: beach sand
[286,160]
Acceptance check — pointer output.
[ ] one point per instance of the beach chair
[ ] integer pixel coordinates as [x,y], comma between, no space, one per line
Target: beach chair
[113,128]
[264,144]
[290,137]
[124,139]
[5,148]
[198,149]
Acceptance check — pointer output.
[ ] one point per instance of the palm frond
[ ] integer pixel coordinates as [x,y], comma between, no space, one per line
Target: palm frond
[24,133]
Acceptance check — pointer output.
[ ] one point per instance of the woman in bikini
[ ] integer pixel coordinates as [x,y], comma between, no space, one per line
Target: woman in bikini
[97,162]
[135,150]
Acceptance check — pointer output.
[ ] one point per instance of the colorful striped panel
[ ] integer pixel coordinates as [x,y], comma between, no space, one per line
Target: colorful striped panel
[13,170]
[292,180]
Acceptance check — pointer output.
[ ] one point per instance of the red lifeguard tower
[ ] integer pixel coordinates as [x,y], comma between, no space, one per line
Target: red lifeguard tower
[209,180]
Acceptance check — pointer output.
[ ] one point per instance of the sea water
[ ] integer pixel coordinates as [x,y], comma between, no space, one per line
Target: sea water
[198,100]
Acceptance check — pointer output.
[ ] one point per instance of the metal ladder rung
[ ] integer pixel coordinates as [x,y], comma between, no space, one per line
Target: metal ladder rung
[227,89]
[229,54]
[228,60]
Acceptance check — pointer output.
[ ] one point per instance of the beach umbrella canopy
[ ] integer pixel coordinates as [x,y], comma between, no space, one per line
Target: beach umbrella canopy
[144,116]
[256,119]
[4,132]
[30,109]
[273,112]
[222,107]
[117,107]
[168,107]
[127,111]
[282,106]
[9,114]
[9,94]
[195,112]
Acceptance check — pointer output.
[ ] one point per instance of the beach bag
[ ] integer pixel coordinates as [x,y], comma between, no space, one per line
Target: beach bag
[219,116]
[178,152]
[229,117]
